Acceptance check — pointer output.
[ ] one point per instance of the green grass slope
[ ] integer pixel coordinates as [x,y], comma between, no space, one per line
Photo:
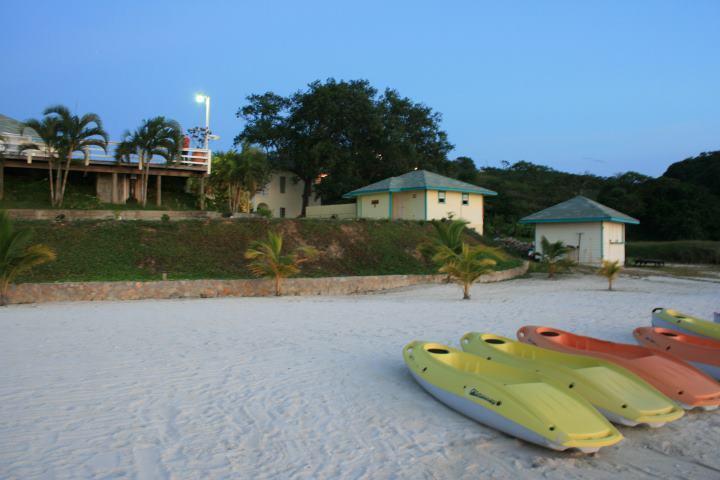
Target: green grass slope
[127,250]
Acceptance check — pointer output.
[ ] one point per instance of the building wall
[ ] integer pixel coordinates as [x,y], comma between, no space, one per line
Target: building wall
[590,249]
[291,200]
[409,205]
[373,206]
[473,212]
[614,242]
[341,211]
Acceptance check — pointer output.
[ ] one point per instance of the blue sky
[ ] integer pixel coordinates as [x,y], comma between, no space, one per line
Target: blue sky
[580,86]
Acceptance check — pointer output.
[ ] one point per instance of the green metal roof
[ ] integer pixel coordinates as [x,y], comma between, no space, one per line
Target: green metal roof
[579,209]
[419,180]
[10,125]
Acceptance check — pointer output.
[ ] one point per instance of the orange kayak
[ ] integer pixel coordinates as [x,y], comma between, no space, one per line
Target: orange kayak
[675,378]
[701,352]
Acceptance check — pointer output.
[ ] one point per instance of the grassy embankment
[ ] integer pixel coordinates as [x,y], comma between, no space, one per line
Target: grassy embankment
[681,251]
[138,250]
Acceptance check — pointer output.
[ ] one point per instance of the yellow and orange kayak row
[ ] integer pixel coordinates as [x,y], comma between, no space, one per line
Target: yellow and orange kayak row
[564,391]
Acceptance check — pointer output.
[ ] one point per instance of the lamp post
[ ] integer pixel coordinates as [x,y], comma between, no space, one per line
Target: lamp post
[201,98]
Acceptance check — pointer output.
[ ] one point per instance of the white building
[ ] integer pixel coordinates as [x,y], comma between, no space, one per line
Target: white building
[595,232]
[283,196]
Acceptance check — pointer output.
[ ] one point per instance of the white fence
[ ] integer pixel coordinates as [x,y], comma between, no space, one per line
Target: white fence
[11,145]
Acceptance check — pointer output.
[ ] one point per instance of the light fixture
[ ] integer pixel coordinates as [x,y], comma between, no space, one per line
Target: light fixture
[200,98]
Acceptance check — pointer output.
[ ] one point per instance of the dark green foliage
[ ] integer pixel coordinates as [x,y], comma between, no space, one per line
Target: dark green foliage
[347,131]
[139,250]
[687,251]
[703,170]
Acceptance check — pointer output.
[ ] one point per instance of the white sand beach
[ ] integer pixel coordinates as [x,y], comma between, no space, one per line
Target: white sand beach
[307,387]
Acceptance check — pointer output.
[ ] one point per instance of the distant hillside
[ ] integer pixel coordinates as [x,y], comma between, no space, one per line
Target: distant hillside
[138,250]
[682,204]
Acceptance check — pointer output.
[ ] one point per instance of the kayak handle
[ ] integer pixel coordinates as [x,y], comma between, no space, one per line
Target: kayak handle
[656,309]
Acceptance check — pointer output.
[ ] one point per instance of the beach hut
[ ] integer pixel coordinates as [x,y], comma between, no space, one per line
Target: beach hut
[422,195]
[595,232]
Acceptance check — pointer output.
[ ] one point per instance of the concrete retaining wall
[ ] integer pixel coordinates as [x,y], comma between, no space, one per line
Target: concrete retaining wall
[36,214]
[91,291]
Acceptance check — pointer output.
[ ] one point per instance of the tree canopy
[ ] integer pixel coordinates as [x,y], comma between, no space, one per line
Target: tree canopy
[347,131]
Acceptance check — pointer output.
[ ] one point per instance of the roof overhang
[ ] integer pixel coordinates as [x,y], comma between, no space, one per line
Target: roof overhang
[631,221]
[484,192]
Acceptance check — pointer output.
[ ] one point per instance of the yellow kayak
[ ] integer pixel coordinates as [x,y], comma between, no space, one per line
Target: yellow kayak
[668,318]
[517,402]
[619,394]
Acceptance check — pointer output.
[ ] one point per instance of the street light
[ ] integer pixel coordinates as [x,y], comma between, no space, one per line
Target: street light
[202,98]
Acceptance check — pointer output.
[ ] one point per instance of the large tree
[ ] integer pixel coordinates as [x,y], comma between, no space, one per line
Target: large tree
[346,132]
[157,136]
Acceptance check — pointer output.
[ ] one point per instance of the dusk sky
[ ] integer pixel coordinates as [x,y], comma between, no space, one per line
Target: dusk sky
[602,87]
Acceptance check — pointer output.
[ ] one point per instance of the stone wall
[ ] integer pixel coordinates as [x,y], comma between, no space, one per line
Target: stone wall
[68,214]
[92,291]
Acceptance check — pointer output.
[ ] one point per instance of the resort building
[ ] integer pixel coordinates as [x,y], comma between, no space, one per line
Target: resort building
[422,195]
[283,196]
[594,231]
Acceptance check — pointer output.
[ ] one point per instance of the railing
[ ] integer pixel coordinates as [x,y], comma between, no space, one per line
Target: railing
[195,157]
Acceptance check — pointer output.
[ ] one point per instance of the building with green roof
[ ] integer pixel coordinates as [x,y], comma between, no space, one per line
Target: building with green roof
[421,195]
[595,231]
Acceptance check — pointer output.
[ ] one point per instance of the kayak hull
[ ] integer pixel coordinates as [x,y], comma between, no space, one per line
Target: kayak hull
[702,353]
[511,400]
[488,417]
[675,378]
[681,322]
[620,395]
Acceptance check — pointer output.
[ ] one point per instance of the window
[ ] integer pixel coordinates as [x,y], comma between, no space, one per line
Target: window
[441,196]
[282,210]
[375,203]
[283,180]
[466,199]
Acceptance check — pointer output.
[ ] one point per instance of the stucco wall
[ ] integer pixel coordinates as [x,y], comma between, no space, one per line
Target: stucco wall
[95,291]
[614,242]
[409,205]
[36,214]
[341,211]
[291,200]
[366,209]
[473,212]
[590,249]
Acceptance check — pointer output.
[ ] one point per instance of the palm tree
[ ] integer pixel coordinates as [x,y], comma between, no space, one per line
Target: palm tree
[16,256]
[447,234]
[466,266]
[155,137]
[48,130]
[75,135]
[610,270]
[240,175]
[268,261]
[552,252]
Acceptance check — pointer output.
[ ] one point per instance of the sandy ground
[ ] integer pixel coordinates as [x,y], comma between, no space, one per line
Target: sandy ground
[307,387]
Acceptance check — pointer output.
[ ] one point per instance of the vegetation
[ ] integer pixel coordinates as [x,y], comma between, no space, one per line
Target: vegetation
[141,250]
[157,136]
[237,176]
[47,129]
[448,234]
[466,266]
[344,130]
[610,270]
[16,255]
[72,133]
[687,251]
[268,261]
[552,255]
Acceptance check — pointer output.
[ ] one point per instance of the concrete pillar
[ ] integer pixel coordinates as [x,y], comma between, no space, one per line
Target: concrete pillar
[114,193]
[202,192]
[158,190]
